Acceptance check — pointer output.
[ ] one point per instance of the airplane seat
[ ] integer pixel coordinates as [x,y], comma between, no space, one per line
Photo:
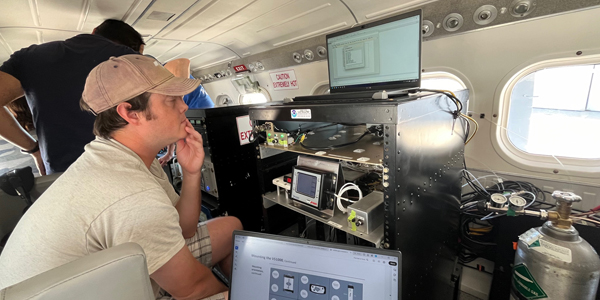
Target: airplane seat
[18,189]
[117,273]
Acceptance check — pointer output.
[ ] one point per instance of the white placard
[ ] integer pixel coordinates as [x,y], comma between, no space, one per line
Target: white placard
[284,80]
[244,126]
[301,114]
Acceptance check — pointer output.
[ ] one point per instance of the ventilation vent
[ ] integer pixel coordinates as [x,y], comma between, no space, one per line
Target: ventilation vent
[160,16]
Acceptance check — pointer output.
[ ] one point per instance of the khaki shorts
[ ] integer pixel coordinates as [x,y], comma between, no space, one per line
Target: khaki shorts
[201,249]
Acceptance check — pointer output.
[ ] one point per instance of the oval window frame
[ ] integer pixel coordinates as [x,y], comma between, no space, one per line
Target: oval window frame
[578,167]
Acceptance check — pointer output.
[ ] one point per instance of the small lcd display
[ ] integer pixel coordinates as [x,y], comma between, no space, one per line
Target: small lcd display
[306,184]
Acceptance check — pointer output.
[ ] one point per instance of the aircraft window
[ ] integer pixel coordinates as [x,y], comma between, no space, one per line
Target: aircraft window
[253,98]
[323,89]
[441,81]
[553,105]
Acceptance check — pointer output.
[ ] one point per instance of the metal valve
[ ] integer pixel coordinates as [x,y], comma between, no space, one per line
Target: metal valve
[565,196]
[564,201]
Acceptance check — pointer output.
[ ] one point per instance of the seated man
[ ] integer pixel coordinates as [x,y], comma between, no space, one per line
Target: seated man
[116,192]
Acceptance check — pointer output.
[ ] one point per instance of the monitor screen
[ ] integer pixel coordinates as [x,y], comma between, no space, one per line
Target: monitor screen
[382,55]
[283,268]
[306,184]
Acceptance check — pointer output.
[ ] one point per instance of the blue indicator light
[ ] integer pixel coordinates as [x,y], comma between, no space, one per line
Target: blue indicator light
[207,188]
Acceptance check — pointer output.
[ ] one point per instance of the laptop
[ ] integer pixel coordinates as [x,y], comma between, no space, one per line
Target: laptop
[365,59]
[272,267]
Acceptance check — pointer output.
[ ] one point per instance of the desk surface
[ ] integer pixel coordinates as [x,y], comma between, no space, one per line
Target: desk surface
[339,220]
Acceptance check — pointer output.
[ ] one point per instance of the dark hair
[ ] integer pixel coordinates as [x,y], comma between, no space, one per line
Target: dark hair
[20,109]
[110,121]
[120,33]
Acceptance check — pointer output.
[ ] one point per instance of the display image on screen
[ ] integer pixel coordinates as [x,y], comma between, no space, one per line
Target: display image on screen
[387,53]
[306,184]
[283,270]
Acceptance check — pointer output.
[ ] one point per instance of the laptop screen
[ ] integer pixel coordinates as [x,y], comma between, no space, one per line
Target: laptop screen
[283,268]
[382,55]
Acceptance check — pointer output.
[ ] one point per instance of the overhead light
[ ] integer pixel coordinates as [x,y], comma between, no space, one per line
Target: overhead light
[427,28]
[485,15]
[522,8]
[453,22]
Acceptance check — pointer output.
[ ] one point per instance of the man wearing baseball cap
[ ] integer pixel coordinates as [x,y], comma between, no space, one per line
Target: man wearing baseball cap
[116,192]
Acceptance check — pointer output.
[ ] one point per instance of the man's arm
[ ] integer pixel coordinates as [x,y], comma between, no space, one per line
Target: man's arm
[10,129]
[179,67]
[189,205]
[190,155]
[186,278]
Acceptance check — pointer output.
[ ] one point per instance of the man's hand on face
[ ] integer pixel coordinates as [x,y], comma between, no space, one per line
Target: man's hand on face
[190,151]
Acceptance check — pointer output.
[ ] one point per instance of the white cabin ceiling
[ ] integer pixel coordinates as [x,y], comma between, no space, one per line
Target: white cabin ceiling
[208,32]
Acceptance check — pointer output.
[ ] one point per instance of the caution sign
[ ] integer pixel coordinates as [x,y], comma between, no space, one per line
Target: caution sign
[525,285]
[284,80]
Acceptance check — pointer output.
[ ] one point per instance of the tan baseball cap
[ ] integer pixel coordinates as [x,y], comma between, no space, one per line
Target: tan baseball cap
[122,78]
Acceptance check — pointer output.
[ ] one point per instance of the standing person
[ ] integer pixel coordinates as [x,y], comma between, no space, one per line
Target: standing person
[139,106]
[199,98]
[51,76]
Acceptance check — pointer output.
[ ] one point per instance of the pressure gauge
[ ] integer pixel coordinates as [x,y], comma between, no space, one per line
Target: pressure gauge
[517,203]
[498,200]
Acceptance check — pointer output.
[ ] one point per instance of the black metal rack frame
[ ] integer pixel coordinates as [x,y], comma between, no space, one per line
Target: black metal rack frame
[423,150]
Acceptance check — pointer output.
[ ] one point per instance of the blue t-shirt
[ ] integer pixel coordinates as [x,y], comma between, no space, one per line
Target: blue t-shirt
[198,98]
[53,77]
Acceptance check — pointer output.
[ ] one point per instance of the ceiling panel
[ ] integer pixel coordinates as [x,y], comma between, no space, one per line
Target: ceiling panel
[252,26]
[165,51]
[126,10]
[19,38]
[367,11]
[63,14]
[152,27]
[16,13]
[196,21]
[291,23]
[200,54]
[208,31]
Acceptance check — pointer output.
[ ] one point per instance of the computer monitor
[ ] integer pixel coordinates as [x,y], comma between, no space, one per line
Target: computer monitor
[383,55]
[283,268]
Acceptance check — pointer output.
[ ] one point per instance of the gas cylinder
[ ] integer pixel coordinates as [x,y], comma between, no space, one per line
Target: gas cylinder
[553,262]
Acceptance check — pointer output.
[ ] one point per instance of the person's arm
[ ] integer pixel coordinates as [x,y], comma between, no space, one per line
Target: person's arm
[190,155]
[179,67]
[168,156]
[185,278]
[10,129]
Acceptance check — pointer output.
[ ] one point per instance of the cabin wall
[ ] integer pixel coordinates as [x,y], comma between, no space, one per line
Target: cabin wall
[485,60]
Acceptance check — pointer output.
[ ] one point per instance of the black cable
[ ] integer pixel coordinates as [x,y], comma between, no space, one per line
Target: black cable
[457,102]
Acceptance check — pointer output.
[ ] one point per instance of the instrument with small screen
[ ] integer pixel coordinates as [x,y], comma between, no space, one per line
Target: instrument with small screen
[313,187]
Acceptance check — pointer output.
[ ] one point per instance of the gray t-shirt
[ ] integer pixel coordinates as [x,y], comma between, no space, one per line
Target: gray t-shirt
[106,198]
